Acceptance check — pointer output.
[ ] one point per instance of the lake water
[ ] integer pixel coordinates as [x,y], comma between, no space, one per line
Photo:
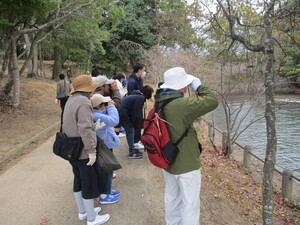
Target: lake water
[287,128]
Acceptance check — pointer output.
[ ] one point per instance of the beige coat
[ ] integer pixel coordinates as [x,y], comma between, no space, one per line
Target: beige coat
[63,85]
[78,122]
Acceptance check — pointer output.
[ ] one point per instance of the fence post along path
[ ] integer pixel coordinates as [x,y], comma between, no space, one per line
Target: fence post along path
[287,183]
[288,186]
[247,160]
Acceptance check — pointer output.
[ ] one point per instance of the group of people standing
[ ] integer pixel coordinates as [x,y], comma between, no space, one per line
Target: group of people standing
[97,107]
[98,97]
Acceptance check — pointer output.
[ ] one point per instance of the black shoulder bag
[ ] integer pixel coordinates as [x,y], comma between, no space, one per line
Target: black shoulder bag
[68,148]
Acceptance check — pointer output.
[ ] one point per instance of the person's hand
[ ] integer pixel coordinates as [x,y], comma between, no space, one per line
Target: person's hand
[195,83]
[110,103]
[99,124]
[114,86]
[92,159]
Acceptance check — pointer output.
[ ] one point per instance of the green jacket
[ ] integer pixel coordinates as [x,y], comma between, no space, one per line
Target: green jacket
[181,113]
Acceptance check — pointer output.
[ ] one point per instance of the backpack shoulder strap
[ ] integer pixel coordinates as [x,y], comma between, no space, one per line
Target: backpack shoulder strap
[64,85]
[182,136]
[164,103]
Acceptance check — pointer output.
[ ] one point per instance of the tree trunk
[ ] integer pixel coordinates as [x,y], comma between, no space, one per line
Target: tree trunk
[29,62]
[41,60]
[268,48]
[34,61]
[57,63]
[15,74]
[32,56]
[6,57]
[270,159]
[9,84]
[228,148]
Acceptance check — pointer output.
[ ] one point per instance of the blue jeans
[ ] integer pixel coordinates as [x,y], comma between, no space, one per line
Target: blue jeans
[108,182]
[129,136]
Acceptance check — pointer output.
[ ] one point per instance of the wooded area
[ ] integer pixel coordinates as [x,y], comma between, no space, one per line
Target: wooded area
[249,44]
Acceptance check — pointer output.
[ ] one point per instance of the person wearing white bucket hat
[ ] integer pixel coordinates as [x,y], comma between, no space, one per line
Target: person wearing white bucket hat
[183,176]
[176,78]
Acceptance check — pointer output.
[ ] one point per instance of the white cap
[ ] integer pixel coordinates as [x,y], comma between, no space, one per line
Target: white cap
[102,80]
[97,99]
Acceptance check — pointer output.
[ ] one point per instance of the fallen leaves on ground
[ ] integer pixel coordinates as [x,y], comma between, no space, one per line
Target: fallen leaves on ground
[44,221]
[233,181]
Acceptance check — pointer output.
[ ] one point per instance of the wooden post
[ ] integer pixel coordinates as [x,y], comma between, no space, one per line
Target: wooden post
[247,161]
[287,184]
[224,142]
[210,132]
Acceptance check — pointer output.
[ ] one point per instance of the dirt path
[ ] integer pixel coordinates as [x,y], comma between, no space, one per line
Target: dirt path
[39,187]
[35,184]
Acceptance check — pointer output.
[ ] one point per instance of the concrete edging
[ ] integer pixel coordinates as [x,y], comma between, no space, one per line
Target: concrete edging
[29,141]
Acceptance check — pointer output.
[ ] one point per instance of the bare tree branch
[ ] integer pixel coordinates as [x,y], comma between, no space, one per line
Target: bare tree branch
[251,47]
[246,127]
[23,53]
[247,25]
[54,21]
[292,39]
[231,21]
[280,46]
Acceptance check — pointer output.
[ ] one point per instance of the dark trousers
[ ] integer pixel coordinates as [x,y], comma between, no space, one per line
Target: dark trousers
[137,135]
[107,179]
[129,136]
[63,102]
[118,126]
[86,179]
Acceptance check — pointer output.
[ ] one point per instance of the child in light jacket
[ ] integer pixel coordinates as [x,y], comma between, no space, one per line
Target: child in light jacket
[104,109]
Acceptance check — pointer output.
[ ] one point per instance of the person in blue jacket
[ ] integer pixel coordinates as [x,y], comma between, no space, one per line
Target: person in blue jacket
[105,111]
[131,115]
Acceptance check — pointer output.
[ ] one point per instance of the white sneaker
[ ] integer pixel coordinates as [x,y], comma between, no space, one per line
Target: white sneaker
[121,135]
[99,219]
[82,216]
[138,145]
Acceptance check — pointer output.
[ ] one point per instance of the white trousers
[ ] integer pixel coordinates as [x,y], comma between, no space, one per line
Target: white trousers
[182,198]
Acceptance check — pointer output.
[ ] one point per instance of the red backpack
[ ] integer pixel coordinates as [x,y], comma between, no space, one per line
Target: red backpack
[156,139]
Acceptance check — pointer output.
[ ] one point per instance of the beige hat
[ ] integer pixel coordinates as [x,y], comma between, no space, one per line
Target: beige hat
[97,99]
[103,80]
[176,78]
[84,83]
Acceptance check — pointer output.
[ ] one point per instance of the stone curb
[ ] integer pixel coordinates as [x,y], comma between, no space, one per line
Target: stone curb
[29,141]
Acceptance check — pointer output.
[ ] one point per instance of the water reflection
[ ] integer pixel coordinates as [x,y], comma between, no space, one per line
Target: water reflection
[288,133]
